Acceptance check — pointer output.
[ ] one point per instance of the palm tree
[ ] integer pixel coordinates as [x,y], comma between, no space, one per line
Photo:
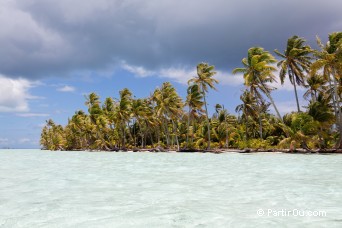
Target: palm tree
[257,72]
[102,140]
[321,110]
[74,136]
[329,58]
[93,103]
[123,112]
[168,107]
[316,84]
[248,108]
[225,122]
[53,136]
[262,110]
[296,61]
[204,80]
[301,127]
[195,103]
[140,113]
[149,120]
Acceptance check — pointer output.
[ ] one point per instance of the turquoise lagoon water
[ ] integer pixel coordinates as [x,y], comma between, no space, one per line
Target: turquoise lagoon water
[84,189]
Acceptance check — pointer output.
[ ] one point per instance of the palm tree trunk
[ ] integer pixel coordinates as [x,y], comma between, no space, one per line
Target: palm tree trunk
[274,106]
[158,137]
[124,136]
[271,99]
[151,137]
[193,130]
[332,95]
[172,138]
[208,124]
[246,129]
[334,100]
[295,90]
[338,114]
[188,128]
[314,96]
[134,134]
[166,132]
[260,126]
[149,130]
[175,132]
[227,142]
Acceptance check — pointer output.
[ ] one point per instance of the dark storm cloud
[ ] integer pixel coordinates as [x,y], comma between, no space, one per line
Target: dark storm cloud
[40,37]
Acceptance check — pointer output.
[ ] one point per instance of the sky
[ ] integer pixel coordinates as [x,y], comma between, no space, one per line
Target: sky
[53,53]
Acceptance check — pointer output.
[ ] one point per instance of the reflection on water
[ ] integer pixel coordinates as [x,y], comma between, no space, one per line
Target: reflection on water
[82,189]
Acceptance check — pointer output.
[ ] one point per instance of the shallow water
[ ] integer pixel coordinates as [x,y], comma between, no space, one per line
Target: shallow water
[83,189]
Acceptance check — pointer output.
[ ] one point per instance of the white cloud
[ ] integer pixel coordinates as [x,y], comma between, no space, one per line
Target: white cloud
[40,126]
[4,141]
[285,107]
[29,114]
[226,78]
[15,94]
[182,74]
[288,106]
[66,88]
[24,140]
[287,86]
[137,70]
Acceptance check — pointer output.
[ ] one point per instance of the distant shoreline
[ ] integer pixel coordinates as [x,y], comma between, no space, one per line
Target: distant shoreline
[220,151]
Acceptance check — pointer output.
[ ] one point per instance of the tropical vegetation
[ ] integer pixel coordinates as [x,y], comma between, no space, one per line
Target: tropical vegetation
[165,121]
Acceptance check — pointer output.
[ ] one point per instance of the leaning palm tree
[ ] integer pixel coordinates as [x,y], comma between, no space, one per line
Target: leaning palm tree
[257,72]
[204,80]
[295,61]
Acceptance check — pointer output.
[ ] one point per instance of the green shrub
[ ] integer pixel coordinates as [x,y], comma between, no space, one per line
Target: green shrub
[255,144]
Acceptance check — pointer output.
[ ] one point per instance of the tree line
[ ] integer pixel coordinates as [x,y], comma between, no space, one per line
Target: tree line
[164,120]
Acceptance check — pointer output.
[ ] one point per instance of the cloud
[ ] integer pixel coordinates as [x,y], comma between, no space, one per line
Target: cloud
[24,140]
[183,74]
[15,94]
[137,70]
[4,141]
[58,38]
[288,106]
[31,114]
[287,85]
[180,75]
[285,107]
[66,88]
[229,79]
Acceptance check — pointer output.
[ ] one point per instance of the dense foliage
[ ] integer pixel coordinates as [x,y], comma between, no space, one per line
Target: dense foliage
[164,120]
